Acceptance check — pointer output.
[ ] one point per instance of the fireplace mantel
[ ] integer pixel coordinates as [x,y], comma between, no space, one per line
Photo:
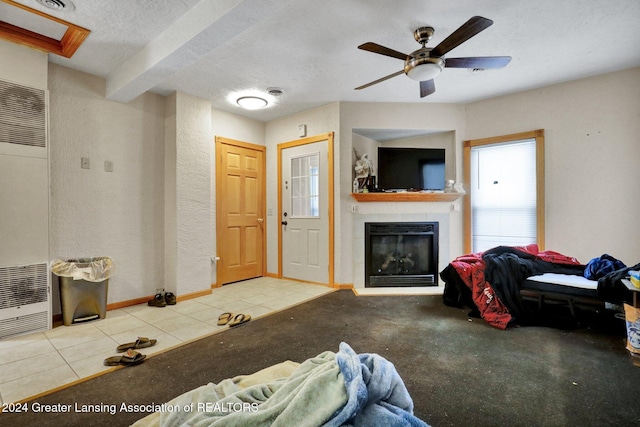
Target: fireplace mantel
[419,196]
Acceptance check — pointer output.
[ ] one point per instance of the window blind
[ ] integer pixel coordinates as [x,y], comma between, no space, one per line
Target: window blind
[503,194]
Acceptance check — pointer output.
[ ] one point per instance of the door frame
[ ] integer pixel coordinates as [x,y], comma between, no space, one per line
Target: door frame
[219,141]
[538,135]
[330,169]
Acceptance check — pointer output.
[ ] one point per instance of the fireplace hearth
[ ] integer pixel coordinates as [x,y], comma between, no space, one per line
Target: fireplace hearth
[401,254]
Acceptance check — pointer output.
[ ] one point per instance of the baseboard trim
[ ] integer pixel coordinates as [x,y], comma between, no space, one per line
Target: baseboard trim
[57,318]
[128,303]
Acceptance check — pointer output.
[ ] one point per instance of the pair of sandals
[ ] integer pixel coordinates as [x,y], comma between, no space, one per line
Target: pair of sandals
[162,300]
[233,319]
[130,356]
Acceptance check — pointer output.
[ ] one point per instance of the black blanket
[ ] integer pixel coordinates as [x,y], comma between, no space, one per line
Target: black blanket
[506,268]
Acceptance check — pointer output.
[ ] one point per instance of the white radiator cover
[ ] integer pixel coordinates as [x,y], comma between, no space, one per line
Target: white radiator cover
[25,295]
[25,290]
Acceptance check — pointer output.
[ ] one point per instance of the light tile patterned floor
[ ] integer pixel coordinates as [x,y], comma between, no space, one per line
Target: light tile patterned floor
[35,363]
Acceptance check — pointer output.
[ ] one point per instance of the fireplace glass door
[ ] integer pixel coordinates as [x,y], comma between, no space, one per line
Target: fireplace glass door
[401,254]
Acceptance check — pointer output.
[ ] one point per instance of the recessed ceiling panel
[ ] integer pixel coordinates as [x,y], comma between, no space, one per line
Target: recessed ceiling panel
[29,21]
[24,25]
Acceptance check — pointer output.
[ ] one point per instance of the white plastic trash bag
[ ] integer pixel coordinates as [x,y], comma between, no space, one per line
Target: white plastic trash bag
[89,269]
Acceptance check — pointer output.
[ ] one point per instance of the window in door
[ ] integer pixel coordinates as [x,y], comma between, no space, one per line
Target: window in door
[505,177]
[305,186]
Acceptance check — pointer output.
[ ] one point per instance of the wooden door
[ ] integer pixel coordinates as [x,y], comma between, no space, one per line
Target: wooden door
[240,192]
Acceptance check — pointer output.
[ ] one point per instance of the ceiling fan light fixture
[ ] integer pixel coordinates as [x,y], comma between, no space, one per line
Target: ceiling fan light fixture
[251,102]
[423,68]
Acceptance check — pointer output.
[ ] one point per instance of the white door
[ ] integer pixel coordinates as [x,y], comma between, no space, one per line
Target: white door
[305,212]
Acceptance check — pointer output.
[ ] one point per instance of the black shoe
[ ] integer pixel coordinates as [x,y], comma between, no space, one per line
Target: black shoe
[170,298]
[157,301]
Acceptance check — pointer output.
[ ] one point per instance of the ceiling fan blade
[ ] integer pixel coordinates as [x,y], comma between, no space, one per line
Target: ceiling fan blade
[478,62]
[380,80]
[376,48]
[469,29]
[427,87]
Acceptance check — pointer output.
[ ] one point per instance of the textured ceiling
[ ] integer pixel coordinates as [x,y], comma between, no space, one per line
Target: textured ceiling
[221,49]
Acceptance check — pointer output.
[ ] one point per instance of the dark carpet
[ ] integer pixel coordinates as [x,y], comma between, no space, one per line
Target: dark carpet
[459,371]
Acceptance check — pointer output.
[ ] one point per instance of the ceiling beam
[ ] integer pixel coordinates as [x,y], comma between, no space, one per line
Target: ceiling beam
[210,24]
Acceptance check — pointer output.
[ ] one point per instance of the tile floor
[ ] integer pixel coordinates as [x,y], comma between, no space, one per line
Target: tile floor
[35,363]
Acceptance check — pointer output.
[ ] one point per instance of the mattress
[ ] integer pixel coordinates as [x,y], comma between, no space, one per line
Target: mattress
[563,284]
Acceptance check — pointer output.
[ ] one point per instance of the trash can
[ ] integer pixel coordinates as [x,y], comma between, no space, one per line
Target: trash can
[84,284]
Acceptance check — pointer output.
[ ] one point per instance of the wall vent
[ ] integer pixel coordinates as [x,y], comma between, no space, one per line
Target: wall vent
[22,115]
[24,324]
[24,299]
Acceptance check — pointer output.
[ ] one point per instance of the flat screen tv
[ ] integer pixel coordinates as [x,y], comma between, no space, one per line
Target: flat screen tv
[410,168]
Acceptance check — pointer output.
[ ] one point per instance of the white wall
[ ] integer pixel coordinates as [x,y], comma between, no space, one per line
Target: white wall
[193,191]
[592,152]
[23,65]
[96,213]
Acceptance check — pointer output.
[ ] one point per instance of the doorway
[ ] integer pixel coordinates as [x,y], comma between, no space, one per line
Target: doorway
[305,209]
[505,178]
[240,207]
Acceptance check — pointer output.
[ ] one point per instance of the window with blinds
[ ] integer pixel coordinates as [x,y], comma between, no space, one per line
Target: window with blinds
[503,187]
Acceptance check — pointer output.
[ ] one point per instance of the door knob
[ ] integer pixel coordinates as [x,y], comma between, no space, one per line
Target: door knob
[260,220]
[284,222]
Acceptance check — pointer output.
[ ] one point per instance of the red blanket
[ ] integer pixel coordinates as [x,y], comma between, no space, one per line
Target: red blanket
[470,268]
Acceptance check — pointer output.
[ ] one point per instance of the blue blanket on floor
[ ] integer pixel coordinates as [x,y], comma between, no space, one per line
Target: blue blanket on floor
[331,389]
[376,394]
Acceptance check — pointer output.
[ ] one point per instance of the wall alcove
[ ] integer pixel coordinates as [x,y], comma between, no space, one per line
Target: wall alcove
[367,141]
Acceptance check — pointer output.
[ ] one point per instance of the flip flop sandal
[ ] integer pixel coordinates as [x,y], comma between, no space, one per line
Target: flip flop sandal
[141,342]
[224,318]
[129,358]
[239,319]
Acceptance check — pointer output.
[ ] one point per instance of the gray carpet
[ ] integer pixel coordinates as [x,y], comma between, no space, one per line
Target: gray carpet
[459,371]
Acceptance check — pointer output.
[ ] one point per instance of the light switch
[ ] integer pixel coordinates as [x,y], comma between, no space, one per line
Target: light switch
[84,163]
[108,166]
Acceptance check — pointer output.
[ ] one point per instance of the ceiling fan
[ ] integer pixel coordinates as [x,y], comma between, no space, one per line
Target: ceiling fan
[426,63]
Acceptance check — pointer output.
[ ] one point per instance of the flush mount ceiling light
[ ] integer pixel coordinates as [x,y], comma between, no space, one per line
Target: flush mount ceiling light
[252,102]
[57,4]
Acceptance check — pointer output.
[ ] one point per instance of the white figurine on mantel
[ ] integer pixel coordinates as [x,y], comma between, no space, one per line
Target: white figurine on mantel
[363,167]
[448,186]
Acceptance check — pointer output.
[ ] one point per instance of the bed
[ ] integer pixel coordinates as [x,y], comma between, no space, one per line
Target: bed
[567,288]
[496,283]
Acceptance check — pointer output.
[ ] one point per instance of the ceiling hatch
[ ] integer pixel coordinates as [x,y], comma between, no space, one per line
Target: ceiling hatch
[30,27]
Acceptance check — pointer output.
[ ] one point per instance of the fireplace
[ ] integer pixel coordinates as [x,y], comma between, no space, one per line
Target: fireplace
[401,254]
